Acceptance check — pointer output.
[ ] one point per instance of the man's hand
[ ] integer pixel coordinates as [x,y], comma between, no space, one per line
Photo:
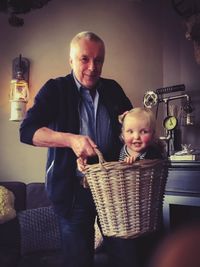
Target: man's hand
[81,163]
[82,146]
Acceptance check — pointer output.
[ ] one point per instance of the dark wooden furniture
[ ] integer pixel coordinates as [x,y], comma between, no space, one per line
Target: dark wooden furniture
[182,196]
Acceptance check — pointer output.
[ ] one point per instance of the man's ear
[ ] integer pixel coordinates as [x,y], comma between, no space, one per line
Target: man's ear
[70,62]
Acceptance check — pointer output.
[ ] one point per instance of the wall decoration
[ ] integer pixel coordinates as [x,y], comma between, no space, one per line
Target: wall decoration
[16,7]
[189,10]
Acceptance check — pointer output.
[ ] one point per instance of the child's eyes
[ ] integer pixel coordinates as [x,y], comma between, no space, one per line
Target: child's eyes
[144,132]
[140,132]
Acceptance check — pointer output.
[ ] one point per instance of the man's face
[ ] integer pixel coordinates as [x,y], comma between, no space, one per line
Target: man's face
[86,61]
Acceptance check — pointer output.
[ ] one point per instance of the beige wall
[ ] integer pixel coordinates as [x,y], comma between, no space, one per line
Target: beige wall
[136,56]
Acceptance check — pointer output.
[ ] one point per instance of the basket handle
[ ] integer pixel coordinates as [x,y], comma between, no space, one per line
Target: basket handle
[100,155]
[101,161]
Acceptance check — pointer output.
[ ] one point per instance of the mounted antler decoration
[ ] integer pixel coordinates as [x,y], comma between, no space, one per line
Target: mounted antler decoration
[15,7]
[189,10]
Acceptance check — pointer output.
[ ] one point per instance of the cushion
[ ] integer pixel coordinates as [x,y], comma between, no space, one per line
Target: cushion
[19,191]
[39,230]
[7,199]
[9,230]
[36,196]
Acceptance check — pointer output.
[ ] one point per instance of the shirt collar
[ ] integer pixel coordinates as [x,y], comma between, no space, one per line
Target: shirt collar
[79,85]
[140,156]
[76,81]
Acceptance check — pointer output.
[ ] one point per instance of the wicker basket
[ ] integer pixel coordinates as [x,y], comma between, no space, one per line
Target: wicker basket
[128,198]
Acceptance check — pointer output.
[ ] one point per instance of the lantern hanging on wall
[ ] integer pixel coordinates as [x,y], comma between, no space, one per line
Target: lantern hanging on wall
[19,91]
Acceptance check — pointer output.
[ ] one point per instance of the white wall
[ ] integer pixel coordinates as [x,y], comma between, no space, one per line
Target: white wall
[142,53]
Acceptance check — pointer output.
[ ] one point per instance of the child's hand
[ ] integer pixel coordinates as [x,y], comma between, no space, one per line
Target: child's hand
[81,163]
[129,160]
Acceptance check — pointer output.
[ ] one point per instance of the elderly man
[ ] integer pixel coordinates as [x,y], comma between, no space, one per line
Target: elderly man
[71,116]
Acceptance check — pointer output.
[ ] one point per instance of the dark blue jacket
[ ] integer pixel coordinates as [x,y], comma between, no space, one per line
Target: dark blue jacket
[56,107]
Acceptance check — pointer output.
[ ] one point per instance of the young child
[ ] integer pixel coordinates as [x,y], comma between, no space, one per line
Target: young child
[139,137]
[140,142]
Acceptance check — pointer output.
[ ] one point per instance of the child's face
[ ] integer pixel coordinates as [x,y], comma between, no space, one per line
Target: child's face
[137,133]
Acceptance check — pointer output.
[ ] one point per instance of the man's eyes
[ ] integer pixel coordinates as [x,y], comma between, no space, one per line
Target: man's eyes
[99,61]
[96,61]
[84,59]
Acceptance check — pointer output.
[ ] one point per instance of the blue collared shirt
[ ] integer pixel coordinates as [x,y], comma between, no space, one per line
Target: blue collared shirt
[94,118]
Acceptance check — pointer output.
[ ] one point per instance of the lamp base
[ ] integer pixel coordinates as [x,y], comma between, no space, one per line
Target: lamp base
[18,110]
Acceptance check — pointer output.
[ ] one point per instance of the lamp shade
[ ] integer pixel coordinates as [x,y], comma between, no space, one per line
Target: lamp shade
[19,95]
[19,88]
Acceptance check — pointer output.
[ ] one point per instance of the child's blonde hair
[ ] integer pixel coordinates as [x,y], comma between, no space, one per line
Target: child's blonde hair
[136,112]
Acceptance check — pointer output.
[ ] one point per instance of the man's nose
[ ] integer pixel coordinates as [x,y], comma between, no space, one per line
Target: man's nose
[91,65]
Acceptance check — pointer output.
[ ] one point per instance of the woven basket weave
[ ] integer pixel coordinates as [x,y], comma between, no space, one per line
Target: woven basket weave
[128,198]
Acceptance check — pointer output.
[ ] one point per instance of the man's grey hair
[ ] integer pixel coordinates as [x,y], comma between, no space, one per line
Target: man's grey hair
[85,35]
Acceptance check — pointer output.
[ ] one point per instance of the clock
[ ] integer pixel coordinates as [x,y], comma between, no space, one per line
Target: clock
[170,123]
